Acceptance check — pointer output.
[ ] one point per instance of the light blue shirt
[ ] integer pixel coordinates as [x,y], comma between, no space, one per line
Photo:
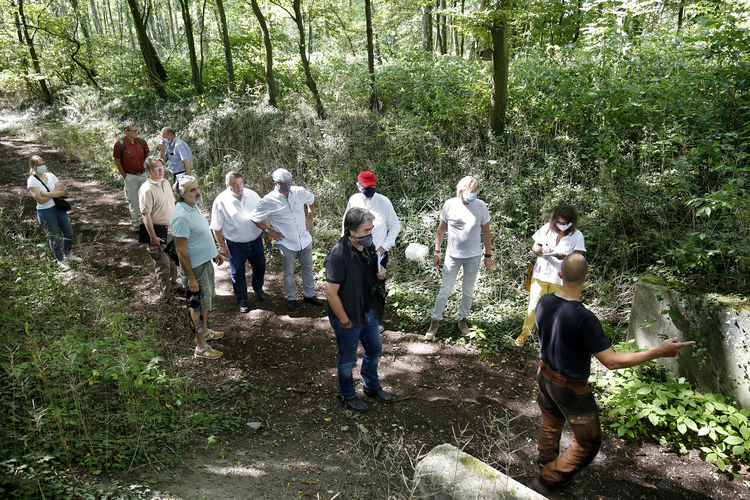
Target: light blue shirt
[188,222]
[176,153]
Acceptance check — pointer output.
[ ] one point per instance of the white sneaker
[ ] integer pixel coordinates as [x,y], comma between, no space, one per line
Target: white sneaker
[73,258]
[64,266]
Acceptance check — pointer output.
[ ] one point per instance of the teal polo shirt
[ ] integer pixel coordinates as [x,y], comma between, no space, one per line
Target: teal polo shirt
[188,222]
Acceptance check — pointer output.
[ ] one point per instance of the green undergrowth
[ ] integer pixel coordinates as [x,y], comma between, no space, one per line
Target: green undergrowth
[87,385]
[650,402]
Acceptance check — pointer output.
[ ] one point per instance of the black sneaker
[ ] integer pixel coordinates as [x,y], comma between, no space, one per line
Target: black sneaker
[378,394]
[291,305]
[260,295]
[354,404]
[243,307]
[314,300]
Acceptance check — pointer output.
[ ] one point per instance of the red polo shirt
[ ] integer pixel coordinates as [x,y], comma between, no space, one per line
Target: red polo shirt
[133,157]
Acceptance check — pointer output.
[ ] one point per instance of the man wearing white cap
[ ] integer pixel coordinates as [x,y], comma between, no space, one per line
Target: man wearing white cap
[281,214]
[384,232]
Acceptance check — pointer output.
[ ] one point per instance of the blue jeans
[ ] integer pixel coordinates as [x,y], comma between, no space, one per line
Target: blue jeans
[251,252]
[347,340]
[56,221]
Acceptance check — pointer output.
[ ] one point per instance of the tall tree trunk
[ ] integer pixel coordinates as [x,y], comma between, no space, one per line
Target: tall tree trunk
[154,67]
[374,104]
[298,19]
[427,27]
[499,78]
[680,15]
[310,30]
[34,58]
[577,31]
[270,79]
[461,51]
[227,48]
[95,15]
[74,58]
[171,24]
[188,21]
[202,39]
[19,33]
[443,30]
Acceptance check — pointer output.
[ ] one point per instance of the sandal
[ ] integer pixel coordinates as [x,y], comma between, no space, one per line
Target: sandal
[209,352]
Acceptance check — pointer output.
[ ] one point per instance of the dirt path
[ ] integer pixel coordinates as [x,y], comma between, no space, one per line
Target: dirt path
[309,447]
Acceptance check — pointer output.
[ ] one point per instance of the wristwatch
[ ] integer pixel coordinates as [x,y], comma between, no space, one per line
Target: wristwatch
[267,230]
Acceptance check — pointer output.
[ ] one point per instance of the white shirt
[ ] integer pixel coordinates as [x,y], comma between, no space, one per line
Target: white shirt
[232,216]
[287,216]
[386,225]
[464,227]
[547,266]
[51,183]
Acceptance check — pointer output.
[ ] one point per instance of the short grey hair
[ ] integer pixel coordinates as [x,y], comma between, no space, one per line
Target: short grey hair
[179,185]
[355,217]
[232,176]
[149,163]
[127,124]
[167,131]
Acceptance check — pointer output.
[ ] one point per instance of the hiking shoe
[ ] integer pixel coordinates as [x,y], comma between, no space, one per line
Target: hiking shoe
[464,327]
[381,328]
[73,258]
[63,265]
[213,335]
[518,343]
[541,486]
[208,353]
[434,323]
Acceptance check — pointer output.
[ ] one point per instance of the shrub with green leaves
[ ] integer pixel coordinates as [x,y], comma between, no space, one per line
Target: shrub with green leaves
[649,401]
[85,382]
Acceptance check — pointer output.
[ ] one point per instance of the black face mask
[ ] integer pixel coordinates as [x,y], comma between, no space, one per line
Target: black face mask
[369,191]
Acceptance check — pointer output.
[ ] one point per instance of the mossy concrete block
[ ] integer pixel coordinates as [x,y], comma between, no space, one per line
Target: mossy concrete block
[721,325]
[447,473]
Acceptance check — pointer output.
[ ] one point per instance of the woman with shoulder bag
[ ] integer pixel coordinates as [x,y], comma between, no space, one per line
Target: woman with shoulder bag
[554,241]
[45,188]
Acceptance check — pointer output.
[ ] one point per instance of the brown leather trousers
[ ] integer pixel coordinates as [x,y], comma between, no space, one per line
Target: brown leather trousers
[563,399]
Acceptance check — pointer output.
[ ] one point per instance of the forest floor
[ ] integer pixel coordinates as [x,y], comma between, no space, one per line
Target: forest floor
[309,446]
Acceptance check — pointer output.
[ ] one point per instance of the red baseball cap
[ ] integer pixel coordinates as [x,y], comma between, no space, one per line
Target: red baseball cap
[366,178]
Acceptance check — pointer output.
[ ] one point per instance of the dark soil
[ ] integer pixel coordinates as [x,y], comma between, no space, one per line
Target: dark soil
[309,446]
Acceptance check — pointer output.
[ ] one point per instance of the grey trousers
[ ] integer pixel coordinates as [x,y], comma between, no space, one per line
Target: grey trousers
[306,263]
[166,269]
[132,184]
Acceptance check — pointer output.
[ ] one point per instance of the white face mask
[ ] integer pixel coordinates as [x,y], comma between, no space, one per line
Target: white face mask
[563,227]
[470,197]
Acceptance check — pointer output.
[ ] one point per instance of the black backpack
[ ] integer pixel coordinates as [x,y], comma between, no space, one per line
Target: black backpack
[122,148]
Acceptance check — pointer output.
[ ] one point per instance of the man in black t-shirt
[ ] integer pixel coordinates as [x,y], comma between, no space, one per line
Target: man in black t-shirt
[352,272]
[569,334]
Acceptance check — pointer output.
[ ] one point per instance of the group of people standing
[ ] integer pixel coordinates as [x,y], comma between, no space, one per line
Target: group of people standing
[170,223]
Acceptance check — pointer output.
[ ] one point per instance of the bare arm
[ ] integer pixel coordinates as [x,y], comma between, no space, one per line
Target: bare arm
[309,219]
[616,360]
[332,294]
[219,236]
[188,166]
[120,168]
[266,224]
[181,247]
[149,223]
[487,237]
[442,226]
